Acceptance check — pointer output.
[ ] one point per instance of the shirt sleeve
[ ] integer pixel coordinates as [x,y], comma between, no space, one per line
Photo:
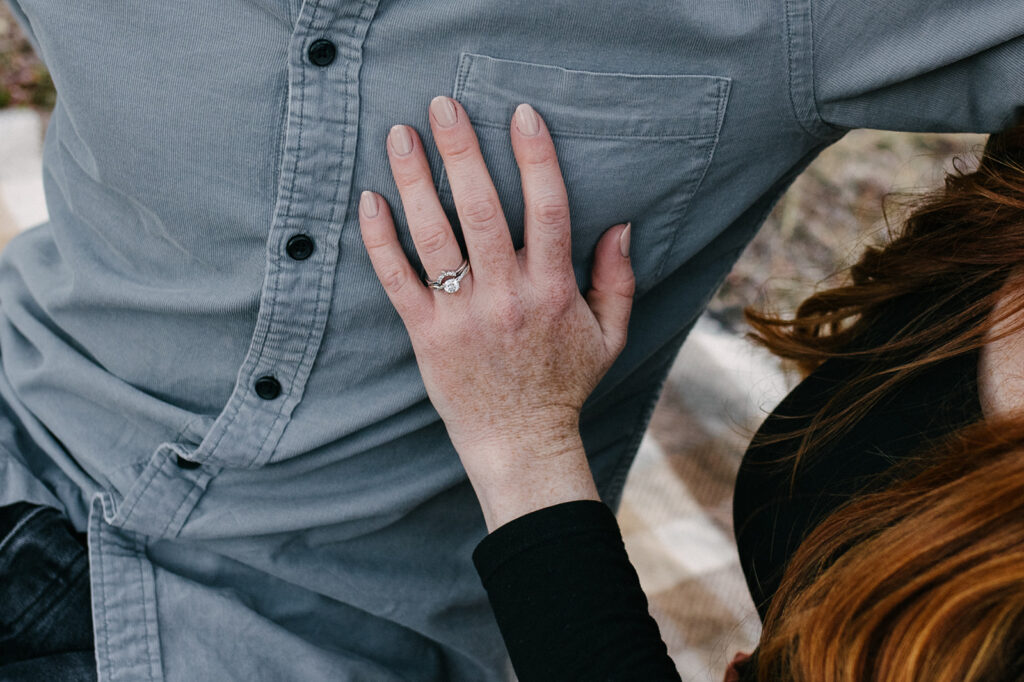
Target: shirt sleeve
[941,66]
[567,600]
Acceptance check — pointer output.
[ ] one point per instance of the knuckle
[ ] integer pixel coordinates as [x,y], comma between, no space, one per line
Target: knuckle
[405,173]
[561,296]
[394,280]
[509,313]
[627,288]
[540,159]
[481,211]
[410,175]
[551,211]
[460,149]
[417,191]
[433,241]
[376,243]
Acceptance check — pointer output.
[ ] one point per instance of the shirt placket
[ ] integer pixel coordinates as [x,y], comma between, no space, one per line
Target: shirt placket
[314,193]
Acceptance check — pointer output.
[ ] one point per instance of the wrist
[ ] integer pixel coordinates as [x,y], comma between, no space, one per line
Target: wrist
[515,433]
[511,479]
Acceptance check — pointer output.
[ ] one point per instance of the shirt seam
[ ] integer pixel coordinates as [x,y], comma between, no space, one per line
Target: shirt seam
[803,99]
[265,453]
[104,650]
[565,132]
[145,618]
[724,91]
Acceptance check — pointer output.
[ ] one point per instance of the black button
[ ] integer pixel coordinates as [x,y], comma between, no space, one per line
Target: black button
[267,388]
[322,52]
[300,247]
[187,463]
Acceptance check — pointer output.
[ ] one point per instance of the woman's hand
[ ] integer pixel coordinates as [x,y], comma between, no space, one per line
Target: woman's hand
[509,359]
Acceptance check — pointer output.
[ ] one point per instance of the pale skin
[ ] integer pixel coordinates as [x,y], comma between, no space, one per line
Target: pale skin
[510,358]
[1000,372]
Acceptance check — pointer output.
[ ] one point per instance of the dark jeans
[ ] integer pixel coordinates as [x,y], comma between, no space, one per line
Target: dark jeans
[45,612]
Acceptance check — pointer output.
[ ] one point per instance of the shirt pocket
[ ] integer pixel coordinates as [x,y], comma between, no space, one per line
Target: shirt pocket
[632,147]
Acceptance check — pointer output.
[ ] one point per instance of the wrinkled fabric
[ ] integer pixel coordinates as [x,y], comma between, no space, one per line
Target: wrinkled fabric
[326,533]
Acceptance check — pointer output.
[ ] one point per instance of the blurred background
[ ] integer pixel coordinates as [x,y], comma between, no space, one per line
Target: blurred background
[676,509]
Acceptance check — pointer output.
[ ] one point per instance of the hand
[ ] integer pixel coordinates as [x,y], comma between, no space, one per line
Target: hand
[510,358]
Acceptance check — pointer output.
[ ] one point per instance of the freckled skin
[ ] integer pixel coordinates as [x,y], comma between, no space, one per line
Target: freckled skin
[510,358]
[540,365]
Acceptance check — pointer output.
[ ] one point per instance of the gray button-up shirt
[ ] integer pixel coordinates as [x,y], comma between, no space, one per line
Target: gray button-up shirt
[326,533]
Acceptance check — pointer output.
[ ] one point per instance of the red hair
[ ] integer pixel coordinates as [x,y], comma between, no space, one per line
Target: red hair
[925,579]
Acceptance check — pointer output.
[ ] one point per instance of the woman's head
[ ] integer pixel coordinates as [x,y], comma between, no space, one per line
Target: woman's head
[925,579]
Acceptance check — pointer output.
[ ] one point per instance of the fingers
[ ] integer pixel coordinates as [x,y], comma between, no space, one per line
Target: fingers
[612,286]
[428,224]
[483,221]
[548,232]
[413,301]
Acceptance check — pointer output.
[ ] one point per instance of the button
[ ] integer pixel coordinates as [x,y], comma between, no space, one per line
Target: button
[187,463]
[267,388]
[300,247]
[322,52]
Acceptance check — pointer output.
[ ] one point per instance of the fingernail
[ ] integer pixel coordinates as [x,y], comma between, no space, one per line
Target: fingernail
[444,111]
[527,120]
[368,204]
[624,240]
[401,140]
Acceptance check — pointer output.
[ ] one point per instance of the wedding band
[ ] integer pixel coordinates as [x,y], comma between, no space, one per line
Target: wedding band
[448,281]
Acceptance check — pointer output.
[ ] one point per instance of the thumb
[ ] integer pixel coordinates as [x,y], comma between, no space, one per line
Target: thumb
[612,286]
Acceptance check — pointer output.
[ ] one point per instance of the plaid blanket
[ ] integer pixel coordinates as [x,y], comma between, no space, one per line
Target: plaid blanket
[676,510]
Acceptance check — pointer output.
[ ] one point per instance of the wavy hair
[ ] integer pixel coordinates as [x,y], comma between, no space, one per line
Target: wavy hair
[923,580]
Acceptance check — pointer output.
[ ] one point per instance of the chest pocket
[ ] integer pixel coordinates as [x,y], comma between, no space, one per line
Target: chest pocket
[631,147]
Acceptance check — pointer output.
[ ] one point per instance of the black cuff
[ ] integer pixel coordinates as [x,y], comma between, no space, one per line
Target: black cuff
[541,526]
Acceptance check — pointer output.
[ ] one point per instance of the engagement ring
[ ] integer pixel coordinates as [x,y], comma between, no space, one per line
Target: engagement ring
[448,281]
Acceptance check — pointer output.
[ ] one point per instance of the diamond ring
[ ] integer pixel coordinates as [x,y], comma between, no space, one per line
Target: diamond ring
[448,281]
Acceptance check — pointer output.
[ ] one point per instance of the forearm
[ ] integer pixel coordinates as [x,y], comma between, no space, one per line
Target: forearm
[567,600]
